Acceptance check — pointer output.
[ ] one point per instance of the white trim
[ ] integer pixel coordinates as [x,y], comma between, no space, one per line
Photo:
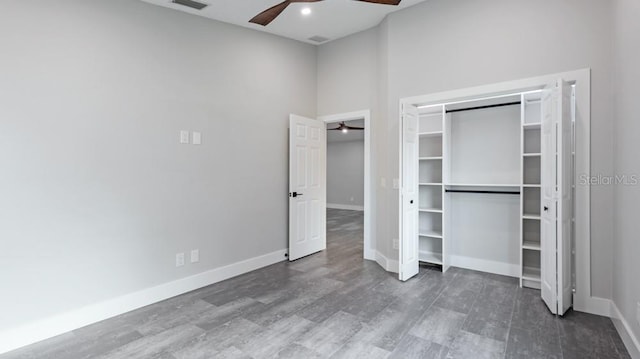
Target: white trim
[400,190]
[583,301]
[597,306]
[345,206]
[483,265]
[626,333]
[386,263]
[65,322]
[369,233]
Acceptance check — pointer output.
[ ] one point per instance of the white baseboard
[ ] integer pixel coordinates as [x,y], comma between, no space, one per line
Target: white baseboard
[622,326]
[370,254]
[593,305]
[65,322]
[388,264]
[345,206]
[482,265]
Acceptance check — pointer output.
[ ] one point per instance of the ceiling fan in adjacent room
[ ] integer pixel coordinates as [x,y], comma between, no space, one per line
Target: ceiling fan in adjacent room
[345,128]
[265,17]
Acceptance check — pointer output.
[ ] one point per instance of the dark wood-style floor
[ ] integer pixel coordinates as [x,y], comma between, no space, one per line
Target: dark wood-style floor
[334,304]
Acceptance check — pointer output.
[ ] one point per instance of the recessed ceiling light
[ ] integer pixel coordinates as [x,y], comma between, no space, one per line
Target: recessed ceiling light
[306,11]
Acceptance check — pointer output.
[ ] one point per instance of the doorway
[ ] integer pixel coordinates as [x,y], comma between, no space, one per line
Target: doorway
[347,198]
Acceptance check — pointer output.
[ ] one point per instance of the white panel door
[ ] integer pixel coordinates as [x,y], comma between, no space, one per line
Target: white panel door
[548,265]
[409,241]
[557,205]
[307,186]
[564,200]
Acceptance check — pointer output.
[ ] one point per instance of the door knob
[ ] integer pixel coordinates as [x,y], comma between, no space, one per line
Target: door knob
[411,201]
[546,208]
[295,194]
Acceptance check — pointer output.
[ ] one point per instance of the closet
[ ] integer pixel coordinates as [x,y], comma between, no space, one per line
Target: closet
[487,185]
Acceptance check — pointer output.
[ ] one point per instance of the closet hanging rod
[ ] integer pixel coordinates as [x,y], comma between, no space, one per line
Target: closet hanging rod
[472,191]
[482,107]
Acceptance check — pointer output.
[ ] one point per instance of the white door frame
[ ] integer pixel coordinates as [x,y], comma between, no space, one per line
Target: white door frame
[369,242]
[583,299]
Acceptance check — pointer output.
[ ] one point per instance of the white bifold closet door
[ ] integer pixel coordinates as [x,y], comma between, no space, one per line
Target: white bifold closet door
[307,186]
[409,245]
[556,203]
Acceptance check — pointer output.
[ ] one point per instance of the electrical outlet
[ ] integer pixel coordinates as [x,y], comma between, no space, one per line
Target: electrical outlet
[195,255]
[179,259]
[396,243]
[351,199]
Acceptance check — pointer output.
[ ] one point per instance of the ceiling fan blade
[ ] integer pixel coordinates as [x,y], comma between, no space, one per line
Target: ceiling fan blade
[265,17]
[382,2]
[354,128]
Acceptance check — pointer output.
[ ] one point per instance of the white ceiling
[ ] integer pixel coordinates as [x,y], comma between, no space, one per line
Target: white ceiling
[339,136]
[329,18]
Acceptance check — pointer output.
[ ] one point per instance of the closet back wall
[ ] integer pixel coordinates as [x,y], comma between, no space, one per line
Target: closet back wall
[484,228]
[485,146]
[97,196]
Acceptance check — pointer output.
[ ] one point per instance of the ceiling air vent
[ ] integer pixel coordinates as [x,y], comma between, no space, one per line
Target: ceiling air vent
[190,3]
[318,39]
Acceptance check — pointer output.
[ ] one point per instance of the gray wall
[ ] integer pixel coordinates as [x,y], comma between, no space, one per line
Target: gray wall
[347,73]
[97,196]
[443,45]
[626,266]
[345,173]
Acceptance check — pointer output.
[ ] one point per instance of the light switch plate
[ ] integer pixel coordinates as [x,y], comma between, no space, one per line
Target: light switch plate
[195,255]
[184,136]
[383,182]
[396,243]
[179,259]
[196,138]
[396,183]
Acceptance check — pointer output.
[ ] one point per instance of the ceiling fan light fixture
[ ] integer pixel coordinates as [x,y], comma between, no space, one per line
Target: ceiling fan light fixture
[264,18]
[344,128]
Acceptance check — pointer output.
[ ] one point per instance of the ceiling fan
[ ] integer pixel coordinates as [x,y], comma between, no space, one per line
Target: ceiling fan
[345,128]
[265,17]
